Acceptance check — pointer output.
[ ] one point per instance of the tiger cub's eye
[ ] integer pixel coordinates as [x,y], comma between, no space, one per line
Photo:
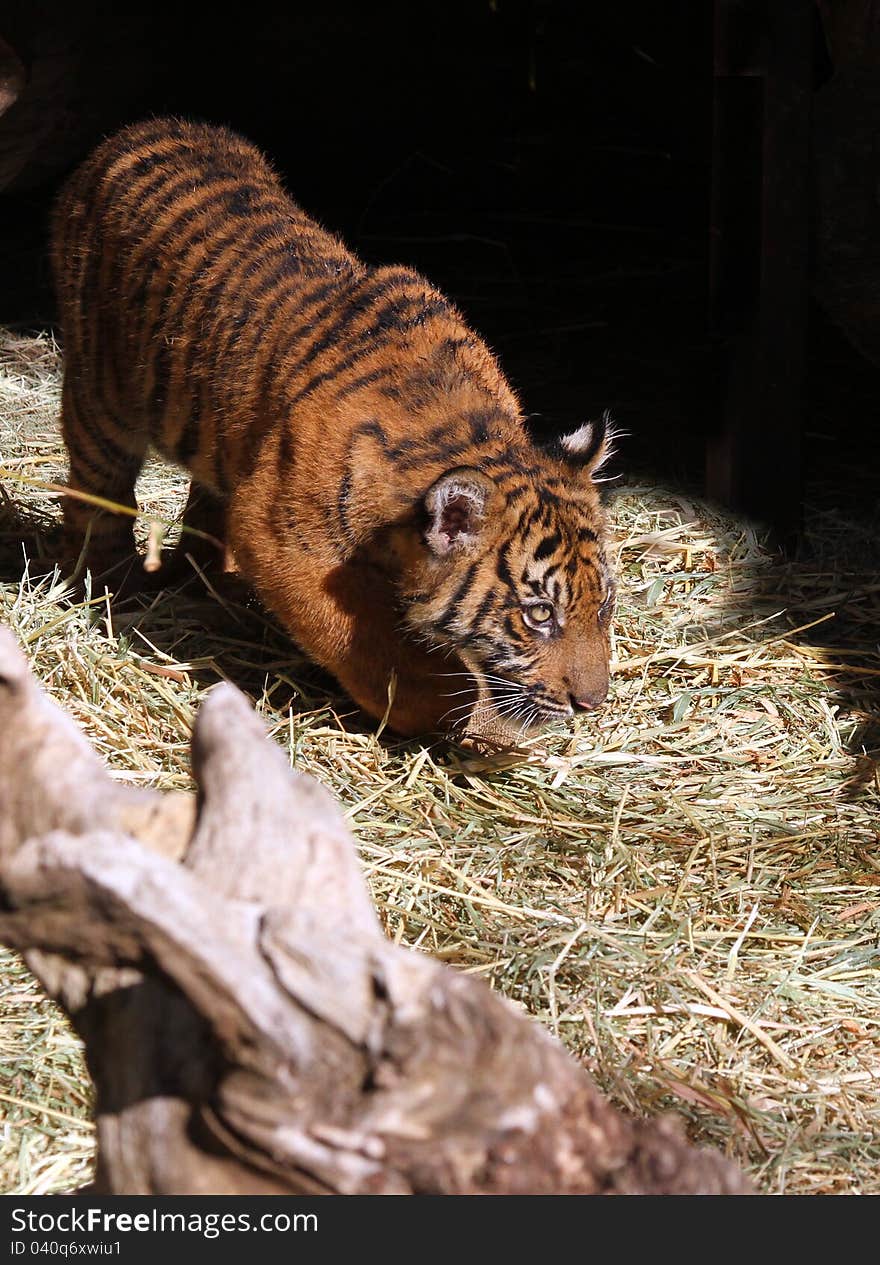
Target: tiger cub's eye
[540,615]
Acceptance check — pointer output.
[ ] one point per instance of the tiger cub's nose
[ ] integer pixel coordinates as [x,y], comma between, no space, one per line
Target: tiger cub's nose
[588,702]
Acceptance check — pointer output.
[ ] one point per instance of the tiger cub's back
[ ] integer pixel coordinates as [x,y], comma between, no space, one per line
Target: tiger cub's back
[172,248]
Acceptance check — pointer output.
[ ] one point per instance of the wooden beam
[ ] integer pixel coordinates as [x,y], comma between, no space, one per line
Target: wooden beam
[759,254]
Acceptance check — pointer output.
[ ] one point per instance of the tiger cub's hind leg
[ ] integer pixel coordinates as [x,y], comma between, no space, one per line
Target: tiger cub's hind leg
[96,537]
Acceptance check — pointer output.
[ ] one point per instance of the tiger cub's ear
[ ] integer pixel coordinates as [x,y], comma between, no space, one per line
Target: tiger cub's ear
[457,509]
[590,446]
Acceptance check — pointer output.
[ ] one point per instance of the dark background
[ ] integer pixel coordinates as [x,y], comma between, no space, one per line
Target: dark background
[546,162]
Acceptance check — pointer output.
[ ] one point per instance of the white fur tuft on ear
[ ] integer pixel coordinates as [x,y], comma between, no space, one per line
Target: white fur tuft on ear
[579,440]
[590,445]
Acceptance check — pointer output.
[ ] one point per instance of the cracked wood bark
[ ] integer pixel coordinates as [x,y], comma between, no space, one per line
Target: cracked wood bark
[247,1026]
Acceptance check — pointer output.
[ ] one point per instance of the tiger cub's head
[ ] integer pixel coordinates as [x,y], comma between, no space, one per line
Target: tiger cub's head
[514,579]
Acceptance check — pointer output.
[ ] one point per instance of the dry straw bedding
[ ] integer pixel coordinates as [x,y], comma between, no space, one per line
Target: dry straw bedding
[686,889]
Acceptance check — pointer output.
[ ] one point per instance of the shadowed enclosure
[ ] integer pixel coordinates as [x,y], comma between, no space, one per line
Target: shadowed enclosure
[682,888]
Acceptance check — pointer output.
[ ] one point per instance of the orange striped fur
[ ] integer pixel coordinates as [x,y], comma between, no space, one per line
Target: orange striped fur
[349,437]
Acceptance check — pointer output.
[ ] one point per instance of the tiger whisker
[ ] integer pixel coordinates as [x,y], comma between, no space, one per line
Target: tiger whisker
[529,721]
[490,705]
[485,676]
[510,708]
[469,708]
[511,704]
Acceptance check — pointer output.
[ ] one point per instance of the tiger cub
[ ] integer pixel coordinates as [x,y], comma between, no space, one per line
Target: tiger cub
[350,439]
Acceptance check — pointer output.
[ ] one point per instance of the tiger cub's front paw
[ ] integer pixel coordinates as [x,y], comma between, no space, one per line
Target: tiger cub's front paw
[486,730]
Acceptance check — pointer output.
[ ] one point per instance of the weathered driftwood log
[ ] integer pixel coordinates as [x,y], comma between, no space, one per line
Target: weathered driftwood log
[248,1027]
